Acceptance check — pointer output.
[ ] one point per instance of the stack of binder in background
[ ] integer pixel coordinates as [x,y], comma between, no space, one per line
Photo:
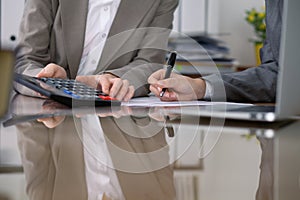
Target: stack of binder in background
[201,55]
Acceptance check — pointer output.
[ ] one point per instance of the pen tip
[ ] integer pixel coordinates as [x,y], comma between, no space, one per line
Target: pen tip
[161,94]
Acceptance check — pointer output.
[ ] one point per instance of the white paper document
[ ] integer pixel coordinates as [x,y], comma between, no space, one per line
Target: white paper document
[153,101]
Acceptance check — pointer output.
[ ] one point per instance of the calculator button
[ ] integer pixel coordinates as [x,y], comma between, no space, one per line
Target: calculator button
[43,79]
[67,91]
[75,96]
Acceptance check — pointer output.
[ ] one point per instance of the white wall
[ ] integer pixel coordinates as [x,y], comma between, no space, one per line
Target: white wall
[10,16]
[193,16]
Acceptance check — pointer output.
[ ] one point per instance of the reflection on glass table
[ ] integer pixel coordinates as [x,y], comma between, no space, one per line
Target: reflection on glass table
[129,155]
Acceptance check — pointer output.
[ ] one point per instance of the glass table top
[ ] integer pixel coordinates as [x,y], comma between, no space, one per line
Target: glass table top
[143,153]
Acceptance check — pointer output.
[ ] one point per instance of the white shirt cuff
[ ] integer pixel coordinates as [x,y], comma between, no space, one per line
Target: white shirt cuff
[208,90]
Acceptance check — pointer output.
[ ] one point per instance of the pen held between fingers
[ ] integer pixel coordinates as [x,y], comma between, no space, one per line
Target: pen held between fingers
[170,64]
[162,92]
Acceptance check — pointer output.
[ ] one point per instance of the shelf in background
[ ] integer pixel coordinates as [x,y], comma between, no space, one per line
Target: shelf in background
[202,68]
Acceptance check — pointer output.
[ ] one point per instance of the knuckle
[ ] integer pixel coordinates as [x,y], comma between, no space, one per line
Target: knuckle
[125,82]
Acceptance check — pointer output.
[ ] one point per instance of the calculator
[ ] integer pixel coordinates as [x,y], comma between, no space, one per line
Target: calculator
[66,91]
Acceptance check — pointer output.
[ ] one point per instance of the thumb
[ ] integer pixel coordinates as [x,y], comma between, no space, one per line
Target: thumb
[46,72]
[52,70]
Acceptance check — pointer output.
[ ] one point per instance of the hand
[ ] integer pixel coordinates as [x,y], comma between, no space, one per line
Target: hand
[109,84]
[179,87]
[52,122]
[161,114]
[117,113]
[52,71]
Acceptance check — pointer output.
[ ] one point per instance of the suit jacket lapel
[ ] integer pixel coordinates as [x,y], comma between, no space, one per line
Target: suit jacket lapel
[129,16]
[74,14]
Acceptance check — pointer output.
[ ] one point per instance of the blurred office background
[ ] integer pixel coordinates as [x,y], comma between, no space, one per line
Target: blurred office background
[226,19]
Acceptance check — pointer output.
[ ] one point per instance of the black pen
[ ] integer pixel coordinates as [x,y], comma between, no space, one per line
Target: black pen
[170,63]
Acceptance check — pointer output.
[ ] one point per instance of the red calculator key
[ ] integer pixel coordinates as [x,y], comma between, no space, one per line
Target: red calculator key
[107,97]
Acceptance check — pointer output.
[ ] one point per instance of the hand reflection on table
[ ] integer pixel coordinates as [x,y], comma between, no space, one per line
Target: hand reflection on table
[161,114]
[52,122]
[58,163]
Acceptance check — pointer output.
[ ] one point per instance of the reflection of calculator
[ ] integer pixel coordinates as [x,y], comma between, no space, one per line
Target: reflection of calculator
[69,92]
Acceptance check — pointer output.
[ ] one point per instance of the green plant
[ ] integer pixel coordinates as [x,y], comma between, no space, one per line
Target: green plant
[256,18]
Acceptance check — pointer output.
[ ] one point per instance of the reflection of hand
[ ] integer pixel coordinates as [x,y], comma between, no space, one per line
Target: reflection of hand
[115,112]
[109,84]
[52,122]
[161,114]
[124,111]
[179,87]
[157,114]
[52,71]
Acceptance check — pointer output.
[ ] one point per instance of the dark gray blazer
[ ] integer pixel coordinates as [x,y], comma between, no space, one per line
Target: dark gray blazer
[256,84]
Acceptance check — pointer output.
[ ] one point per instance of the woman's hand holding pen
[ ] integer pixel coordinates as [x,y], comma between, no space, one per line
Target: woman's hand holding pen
[179,87]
